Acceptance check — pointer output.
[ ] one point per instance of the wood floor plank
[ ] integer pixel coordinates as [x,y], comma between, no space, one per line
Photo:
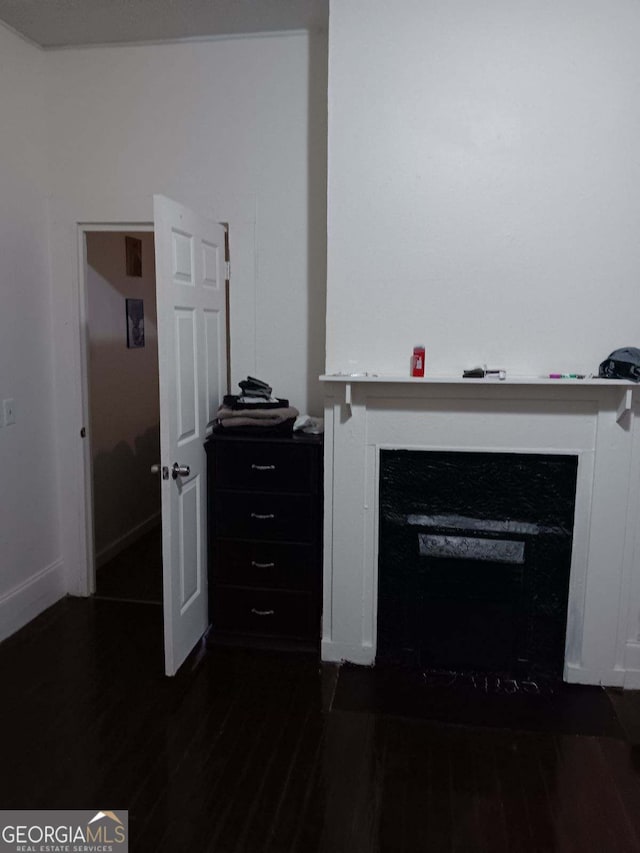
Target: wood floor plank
[621,768]
[299,815]
[544,831]
[492,831]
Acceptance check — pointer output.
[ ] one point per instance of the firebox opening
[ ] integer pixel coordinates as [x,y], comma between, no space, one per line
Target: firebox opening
[474,560]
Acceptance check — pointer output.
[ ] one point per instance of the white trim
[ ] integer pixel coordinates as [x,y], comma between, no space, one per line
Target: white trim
[327,585]
[88,583]
[632,665]
[340,652]
[27,600]
[180,40]
[574,674]
[632,679]
[21,36]
[628,637]
[123,542]
[140,227]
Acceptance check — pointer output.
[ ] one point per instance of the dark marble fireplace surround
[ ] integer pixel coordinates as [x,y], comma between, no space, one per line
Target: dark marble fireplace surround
[474,560]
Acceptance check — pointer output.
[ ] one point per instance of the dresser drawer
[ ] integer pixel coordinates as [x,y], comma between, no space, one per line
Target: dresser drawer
[264,466]
[263,612]
[259,515]
[265,564]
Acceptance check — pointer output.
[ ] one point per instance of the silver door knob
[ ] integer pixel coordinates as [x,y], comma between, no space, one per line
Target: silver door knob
[157,469]
[180,471]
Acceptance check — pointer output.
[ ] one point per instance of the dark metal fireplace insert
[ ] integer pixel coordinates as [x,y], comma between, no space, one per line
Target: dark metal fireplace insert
[474,560]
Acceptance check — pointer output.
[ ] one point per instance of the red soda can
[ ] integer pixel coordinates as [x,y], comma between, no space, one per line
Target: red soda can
[417,361]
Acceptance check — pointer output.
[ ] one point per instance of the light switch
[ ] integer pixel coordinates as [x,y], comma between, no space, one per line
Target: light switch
[9,411]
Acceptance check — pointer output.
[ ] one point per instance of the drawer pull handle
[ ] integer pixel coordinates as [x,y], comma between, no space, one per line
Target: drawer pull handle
[263,467]
[262,517]
[262,565]
[263,612]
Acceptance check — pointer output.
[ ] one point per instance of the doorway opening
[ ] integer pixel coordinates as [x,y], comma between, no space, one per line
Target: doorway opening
[121,362]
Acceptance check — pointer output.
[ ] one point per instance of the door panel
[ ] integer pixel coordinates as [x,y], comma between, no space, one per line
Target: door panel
[211,264]
[192,364]
[187,369]
[182,258]
[190,534]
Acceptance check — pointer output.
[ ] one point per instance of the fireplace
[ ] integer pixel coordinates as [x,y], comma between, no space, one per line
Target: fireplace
[590,423]
[474,560]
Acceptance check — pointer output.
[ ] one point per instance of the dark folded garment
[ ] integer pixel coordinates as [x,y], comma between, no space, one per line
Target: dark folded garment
[252,387]
[232,401]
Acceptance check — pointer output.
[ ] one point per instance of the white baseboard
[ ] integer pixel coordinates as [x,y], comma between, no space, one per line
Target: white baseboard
[632,665]
[363,655]
[574,674]
[24,602]
[123,542]
[632,679]
[627,676]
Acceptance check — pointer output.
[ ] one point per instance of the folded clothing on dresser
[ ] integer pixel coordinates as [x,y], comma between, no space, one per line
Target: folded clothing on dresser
[255,411]
[281,418]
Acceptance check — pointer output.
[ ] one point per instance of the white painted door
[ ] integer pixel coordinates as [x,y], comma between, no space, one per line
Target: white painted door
[192,365]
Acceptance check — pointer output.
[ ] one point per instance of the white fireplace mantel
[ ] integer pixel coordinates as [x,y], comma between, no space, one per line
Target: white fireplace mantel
[625,386]
[593,419]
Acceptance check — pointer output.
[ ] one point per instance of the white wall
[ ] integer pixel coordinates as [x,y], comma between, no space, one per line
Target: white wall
[235,128]
[124,394]
[482,187]
[30,570]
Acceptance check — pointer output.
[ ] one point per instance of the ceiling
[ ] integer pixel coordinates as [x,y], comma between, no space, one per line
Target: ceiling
[63,23]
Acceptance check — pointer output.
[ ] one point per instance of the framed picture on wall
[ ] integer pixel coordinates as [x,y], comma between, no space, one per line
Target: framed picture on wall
[135,323]
[133,256]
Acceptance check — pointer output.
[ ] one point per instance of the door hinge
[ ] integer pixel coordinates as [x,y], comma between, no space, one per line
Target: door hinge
[227,270]
[83,432]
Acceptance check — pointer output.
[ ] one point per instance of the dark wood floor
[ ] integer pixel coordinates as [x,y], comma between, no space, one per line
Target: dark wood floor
[134,574]
[255,751]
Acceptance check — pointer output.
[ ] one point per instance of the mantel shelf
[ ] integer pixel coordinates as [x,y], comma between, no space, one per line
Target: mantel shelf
[459,380]
[623,411]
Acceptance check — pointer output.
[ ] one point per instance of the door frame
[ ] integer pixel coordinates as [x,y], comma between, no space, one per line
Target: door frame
[86,503]
[67,220]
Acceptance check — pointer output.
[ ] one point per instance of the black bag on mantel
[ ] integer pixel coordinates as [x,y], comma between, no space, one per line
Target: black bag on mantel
[622,364]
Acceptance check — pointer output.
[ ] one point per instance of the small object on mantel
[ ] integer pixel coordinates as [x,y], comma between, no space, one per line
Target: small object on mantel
[341,375]
[621,364]
[496,374]
[484,373]
[474,373]
[417,360]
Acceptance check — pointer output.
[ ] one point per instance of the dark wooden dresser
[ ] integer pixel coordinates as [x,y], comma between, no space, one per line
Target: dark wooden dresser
[265,538]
